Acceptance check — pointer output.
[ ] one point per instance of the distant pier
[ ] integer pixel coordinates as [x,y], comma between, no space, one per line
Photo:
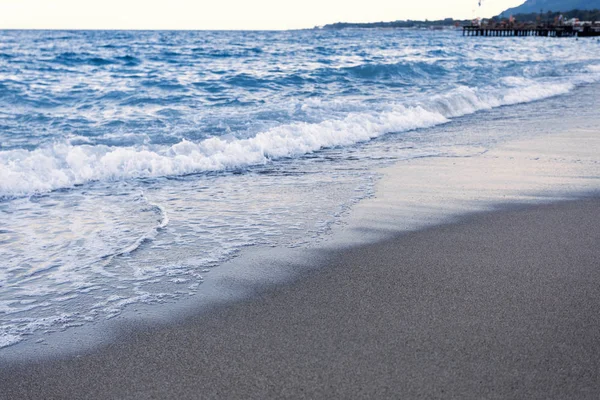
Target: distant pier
[548,31]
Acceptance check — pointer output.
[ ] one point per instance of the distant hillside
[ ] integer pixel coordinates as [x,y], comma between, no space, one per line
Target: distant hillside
[534,6]
[396,24]
[549,16]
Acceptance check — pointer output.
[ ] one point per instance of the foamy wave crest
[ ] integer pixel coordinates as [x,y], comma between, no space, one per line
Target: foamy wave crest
[526,93]
[63,165]
[594,68]
[466,100]
[8,340]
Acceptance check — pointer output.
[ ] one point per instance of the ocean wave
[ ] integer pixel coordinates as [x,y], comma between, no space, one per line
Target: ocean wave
[63,165]
[397,70]
[74,59]
[129,61]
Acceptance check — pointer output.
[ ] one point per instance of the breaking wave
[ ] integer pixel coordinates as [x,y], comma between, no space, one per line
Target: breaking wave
[63,165]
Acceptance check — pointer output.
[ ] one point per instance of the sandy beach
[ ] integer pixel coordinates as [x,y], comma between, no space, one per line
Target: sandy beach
[315,213]
[497,305]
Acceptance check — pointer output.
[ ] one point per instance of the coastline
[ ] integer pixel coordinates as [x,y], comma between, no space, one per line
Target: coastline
[412,195]
[285,175]
[308,215]
[500,304]
[424,288]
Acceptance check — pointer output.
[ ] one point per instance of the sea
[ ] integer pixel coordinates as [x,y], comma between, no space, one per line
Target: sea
[134,163]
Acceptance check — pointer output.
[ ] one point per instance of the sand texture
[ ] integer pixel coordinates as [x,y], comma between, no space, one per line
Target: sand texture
[499,305]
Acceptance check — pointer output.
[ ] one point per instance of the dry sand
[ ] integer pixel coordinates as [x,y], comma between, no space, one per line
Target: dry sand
[497,305]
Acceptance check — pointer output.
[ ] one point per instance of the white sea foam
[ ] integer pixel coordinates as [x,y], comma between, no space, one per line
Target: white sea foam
[8,340]
[593,68]
[536,91]
[63,165]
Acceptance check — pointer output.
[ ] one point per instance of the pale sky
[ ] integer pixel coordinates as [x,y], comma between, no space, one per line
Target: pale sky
[230,14]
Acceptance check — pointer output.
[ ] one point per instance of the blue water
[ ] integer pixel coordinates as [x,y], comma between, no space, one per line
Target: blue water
[131,163]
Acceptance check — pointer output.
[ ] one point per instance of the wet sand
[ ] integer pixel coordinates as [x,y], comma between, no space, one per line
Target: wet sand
[498,305]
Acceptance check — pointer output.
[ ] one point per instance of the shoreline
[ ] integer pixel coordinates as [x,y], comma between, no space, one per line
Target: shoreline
[412,195]
[545,162]
[288,296]
[498,304]
[419,222]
